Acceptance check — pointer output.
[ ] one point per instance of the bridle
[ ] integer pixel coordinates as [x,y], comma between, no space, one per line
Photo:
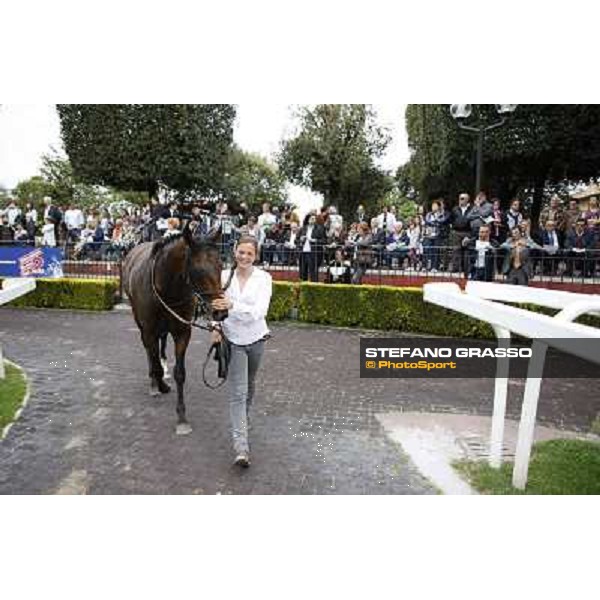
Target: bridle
[203,300]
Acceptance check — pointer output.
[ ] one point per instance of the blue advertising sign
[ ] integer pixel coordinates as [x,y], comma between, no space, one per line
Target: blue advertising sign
[26,261]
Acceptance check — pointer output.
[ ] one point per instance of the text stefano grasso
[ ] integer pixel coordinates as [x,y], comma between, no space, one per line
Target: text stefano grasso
[448,353]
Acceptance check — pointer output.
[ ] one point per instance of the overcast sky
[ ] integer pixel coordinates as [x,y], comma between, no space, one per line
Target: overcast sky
[28,130]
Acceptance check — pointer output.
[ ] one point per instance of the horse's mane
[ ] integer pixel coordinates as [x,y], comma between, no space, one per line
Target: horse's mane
[165,242]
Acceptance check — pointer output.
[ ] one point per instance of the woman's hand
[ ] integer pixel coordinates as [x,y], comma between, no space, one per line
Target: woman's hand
[222,303]
[215,337]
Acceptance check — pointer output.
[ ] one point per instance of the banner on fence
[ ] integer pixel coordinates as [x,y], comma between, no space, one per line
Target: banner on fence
[25,261]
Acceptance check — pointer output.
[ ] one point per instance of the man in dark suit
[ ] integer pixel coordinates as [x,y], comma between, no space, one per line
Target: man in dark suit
[311,241]
[461,230]
[580,242]
[53,213]
[551,245]
[481,254]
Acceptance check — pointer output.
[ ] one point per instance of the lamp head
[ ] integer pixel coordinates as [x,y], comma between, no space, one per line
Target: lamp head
[461,111]
[506,109]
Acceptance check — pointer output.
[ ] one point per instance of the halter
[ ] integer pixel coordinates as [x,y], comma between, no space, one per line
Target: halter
[201,298]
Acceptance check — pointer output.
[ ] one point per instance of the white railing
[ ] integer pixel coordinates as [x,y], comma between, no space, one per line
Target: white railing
[479,301]
[11,289]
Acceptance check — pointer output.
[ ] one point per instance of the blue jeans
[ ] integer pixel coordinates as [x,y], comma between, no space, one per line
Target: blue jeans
[243,367]
[431,252]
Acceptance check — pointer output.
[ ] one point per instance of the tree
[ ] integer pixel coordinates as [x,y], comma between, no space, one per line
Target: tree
[406,207]
[334,154]
[135,146]
[58,181]
[541,145]
[252,179]
[33,190]
[57,171]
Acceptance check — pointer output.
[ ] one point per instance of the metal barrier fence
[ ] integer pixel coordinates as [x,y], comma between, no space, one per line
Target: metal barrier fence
[379,264]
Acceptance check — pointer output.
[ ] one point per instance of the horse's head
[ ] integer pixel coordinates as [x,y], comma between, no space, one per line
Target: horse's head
[204,270]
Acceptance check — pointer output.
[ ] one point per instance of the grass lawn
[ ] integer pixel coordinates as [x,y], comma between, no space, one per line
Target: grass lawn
[12,392]
[556,467]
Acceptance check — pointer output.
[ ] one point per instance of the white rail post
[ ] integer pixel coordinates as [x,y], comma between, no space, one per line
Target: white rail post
[11,289]
[500,396]
[528,414]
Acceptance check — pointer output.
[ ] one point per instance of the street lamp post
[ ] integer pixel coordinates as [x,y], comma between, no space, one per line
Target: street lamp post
[461,112]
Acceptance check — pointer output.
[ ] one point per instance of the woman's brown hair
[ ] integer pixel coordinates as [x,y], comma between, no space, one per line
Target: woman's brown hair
[248,239]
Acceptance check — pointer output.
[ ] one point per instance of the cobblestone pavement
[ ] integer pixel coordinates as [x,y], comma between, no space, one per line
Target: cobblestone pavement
[90,426]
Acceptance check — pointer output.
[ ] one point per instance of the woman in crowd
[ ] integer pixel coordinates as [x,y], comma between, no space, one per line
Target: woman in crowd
[363,253]
[339,269]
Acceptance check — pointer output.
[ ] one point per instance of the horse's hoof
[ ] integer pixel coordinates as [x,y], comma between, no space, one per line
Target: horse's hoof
[183,429]
[164,388]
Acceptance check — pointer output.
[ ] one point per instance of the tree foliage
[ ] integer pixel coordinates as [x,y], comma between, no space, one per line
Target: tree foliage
[334,154]
[58,181]
[138,146]
[33,189]
[252,179]
[539,145]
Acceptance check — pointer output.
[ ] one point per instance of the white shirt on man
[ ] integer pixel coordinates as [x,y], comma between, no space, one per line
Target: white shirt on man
[386,221]
[74,218]
[481,247]
[307,246]
[49,236]
[246,323]
[266,220]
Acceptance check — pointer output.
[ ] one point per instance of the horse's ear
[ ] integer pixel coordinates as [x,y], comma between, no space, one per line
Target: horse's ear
[187,233]
[214,235]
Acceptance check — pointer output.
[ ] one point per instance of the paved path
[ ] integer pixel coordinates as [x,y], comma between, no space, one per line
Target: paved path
[90,426]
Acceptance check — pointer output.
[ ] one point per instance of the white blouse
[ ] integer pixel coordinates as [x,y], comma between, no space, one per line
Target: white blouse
[246,322]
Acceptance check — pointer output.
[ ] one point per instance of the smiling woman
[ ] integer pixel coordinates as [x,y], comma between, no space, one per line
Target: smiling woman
[13,389]
[247,301]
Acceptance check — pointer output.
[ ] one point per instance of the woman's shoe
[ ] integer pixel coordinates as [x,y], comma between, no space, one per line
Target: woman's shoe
[242,460]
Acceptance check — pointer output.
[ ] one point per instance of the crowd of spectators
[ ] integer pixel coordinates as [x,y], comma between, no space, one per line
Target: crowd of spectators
[85,234]
[476,238]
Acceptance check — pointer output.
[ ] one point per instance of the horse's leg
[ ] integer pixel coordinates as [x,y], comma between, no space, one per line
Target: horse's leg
[163,354]
[182,339]
[155,370]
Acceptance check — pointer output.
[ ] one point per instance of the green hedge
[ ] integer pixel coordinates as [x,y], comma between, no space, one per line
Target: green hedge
[383,307]
[84,294]
[365,306]
[393,309]
[283,300]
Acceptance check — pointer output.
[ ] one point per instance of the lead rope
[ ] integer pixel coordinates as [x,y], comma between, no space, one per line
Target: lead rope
[213,348]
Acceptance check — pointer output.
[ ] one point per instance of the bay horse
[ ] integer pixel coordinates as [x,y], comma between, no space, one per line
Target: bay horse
[167,283]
